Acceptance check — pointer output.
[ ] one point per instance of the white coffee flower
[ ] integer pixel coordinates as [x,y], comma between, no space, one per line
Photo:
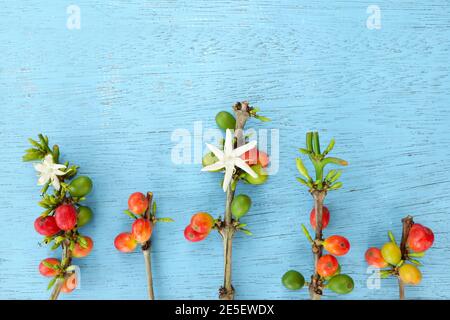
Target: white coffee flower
[49,171]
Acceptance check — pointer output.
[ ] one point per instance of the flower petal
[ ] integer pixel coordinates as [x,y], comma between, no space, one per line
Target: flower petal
[48,160]
[243,149]
[229,170]
[39,167]
[58,166]
[244,166]
[43,180]
[59,172]
[55,183]
[228,147]
[217,152]
[215,166]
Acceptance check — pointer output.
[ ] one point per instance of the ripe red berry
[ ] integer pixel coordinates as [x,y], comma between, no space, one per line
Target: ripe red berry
[336,245]
[194,236]
[327,265]
[374,258]
[46,271]
[202,222]
[325,217]
[256,156]
[138,203]
[420,238]
[46,226]
[80,252]
[125,242]
[66,217]
[141,230]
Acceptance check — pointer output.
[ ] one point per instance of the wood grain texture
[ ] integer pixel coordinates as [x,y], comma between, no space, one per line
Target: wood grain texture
[112,93]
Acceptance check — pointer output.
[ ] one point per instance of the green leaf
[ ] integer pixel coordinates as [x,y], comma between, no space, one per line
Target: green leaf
[333,160]
[51,283]
[247,232]
[34,143]
[316,143]
[416,262]
[165,220]
[262,118]
[49,265]
[330,175]
[154,209]
[55,246]
[304,151]
[82,242]
[309,139]
[391,237]
[302,181]
[336,186]
[306,233]
[336,176]
[302,169]
[55,153]
[330,147]
[130,214]
[416,254]
[241,225]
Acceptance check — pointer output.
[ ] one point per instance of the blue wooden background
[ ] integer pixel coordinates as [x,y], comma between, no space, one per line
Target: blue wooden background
[111,94]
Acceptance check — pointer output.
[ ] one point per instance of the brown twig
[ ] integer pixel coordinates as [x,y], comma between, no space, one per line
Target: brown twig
[407,222]
[227,230]
[146,250]
[66,261]
[316,285]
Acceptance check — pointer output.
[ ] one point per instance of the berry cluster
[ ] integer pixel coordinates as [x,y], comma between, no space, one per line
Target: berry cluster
[142,209]
[327,273]
[402,261]
[239,160]
[63,215]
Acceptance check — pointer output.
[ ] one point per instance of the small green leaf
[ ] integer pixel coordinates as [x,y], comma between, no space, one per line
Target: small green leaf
[247,232]
[51,283]
[55,246]
[330,147]
[316,143]
[154,209]
[309,139]
[130,214]
[416,262]
[303,181]
[164,220]
[262,118]
[416,254]
[302,169]
[306,233]
[304,151]
[336,186]
[391,237]
[333,160]
[82,242]
[49,265]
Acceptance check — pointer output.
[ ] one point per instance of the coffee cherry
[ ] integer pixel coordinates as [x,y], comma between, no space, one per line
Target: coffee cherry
[374,258]
[193,236]
[336,245]
[46,271]
[260,179]
[84,216]
[293,280]
[80,252]
[138,203]
[341,284]
[391,253]
[327,266]
[410,274]
[69,284]
[80,186]
[125,242]
[420,238]
[241,205]
[225,120]
[209,159]
[141,230]
[66,217]
[256,156]
[325,217]
[202,222]
[46,226]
